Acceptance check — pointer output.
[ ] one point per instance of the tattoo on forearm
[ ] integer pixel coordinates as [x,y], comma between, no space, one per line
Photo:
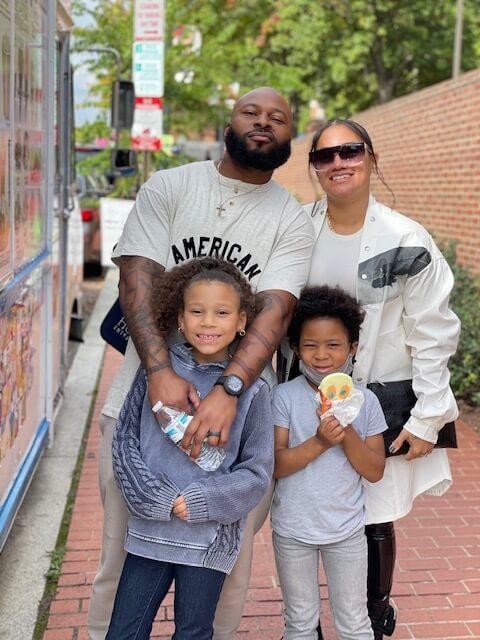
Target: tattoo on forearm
[254,333]
[268,299]
[256,350]
[253,353]
[139,277]
[250,373]
[157,367]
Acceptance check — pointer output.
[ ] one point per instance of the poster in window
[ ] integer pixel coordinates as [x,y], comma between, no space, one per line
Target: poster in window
[20,367]
[5,219]
[30,127]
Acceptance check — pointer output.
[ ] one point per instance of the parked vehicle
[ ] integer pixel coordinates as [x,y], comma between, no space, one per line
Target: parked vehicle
[41,248]
[92,184]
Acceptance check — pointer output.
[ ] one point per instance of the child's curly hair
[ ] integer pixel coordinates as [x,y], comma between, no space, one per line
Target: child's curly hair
[169,301]
[326,302]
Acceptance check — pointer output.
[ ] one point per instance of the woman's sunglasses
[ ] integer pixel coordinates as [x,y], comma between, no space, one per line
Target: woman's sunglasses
[351,154]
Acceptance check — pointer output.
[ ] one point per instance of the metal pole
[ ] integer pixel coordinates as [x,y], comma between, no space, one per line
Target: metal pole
[146,167]
[457,49]
[46,380]
[65,212]
[116,106]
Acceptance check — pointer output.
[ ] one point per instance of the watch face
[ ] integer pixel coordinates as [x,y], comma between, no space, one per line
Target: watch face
[234,384]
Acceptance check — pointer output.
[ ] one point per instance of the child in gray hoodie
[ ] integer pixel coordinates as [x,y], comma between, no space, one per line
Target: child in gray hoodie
[186,524]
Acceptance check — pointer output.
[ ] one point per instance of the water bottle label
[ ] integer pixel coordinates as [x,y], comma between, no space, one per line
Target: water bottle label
[177,427]
[210,458]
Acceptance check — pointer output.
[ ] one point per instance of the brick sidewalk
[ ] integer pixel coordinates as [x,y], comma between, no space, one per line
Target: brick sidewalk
[437,579]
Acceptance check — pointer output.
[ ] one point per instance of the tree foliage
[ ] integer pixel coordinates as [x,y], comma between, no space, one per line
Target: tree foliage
[348,54]
[88,132]
[112,26]
[465,301]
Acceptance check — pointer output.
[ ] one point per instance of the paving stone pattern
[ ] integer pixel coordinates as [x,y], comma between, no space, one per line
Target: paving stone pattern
[437,579]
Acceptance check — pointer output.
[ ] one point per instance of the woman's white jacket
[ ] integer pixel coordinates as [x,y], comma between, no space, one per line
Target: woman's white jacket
[409,332]
[403,284]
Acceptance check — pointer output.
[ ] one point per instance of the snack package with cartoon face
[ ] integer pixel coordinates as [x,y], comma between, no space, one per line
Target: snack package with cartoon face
[336,386]
[339,397]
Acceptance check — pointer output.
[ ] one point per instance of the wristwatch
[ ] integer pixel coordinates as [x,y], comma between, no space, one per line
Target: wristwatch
[232,384]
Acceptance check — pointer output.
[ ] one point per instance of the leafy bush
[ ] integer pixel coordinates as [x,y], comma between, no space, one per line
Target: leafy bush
[95,163]
[465,301]
[89,202]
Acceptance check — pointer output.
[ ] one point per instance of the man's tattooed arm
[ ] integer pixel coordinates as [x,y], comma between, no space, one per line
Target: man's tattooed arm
[139,277]
[275,310]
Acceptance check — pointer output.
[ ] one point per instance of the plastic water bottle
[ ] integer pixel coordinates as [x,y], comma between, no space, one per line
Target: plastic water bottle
[174,423]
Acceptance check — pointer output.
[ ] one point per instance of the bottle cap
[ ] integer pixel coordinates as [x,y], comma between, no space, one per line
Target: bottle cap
[157,406]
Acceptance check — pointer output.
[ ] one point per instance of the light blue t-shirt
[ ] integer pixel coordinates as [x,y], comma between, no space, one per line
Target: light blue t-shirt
[324,502]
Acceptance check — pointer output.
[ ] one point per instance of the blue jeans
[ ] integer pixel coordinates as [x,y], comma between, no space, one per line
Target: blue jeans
[345,565]
[144,583]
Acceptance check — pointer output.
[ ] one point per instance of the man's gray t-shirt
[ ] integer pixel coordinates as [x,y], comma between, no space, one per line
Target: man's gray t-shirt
[324,502]
[177,216]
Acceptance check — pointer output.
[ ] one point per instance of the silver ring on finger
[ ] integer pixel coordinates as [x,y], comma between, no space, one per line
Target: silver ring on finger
[213,434]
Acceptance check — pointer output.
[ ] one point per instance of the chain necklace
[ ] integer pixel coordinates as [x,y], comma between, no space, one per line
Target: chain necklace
[221,209]
[331,227]
[329,222]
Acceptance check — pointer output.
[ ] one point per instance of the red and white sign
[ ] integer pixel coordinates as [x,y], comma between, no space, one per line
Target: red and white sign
[149,19]
[147,124]
[148,65]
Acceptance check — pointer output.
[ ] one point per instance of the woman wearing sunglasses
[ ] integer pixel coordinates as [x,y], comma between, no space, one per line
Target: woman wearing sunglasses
[394,269]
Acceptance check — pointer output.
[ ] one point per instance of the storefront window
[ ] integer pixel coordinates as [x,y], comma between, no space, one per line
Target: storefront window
[30,130]
[5,138]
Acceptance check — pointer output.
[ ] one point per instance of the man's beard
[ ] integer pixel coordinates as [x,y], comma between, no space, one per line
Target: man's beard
[263,160]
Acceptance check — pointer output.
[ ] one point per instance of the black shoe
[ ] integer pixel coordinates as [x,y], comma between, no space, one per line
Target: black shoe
[386,624]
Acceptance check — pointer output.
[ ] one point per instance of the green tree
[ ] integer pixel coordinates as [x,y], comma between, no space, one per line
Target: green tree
[112,26]
[229,31]
[88,132]
[352,54]
[349,54]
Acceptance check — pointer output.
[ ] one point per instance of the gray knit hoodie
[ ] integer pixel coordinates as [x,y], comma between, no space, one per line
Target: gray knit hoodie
[151,472]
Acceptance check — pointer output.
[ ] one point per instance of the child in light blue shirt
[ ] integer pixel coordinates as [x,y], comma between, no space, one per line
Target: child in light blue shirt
[318,506]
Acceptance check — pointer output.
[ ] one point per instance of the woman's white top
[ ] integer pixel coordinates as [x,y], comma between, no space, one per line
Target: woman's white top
[326,266]
[403,284]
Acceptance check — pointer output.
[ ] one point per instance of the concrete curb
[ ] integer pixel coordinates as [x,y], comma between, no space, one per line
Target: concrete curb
[24,560]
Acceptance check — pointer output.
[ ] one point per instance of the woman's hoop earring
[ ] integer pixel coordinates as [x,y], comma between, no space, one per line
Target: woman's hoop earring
[180,330]
[242,332]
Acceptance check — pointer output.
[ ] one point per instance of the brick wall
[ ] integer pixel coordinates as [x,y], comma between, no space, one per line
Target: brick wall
[428,145]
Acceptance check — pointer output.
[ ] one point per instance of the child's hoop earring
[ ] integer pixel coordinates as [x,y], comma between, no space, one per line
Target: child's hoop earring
[242,332]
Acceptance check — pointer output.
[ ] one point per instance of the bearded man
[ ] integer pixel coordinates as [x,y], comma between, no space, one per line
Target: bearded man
[234,210]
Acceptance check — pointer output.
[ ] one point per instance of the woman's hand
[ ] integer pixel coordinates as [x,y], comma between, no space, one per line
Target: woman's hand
[418,447]
[180,508]
[330,431]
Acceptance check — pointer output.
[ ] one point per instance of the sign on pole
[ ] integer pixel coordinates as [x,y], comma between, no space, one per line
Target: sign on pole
[147,124]
[149,19]
[148,64]
[148,74]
